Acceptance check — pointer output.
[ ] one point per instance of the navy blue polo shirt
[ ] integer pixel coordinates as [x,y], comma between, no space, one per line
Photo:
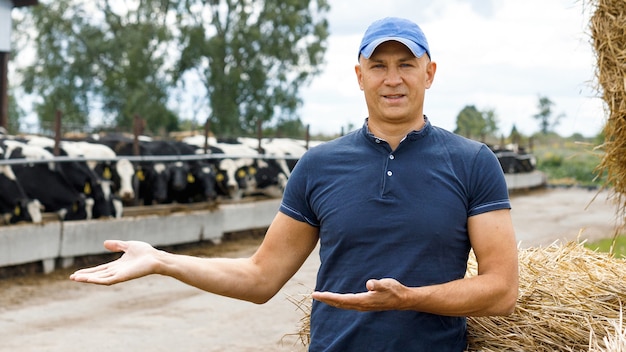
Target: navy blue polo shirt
[392,214]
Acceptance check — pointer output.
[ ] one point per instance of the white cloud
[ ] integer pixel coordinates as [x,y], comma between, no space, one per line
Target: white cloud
[501,55]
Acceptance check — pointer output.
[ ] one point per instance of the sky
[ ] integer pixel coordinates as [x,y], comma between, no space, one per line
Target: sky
[499,55]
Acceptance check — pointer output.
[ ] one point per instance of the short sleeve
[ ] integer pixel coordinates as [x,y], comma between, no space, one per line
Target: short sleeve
[488,189]
[295,202]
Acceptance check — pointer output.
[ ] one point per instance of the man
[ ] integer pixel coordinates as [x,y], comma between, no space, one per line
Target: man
[396,206]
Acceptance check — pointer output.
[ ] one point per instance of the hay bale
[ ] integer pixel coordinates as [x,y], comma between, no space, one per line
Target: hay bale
[608,30]
[615,339]
[570,299]
[567,293]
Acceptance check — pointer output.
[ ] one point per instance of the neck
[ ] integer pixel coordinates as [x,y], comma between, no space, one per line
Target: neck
[394,133]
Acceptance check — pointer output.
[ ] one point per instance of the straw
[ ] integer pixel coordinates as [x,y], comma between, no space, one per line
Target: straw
[570,299]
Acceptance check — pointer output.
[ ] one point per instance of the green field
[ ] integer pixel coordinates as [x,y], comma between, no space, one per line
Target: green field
[574,162]
[617,246]
[567,162]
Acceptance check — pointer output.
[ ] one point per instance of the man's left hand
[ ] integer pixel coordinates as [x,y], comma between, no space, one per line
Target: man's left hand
[383,294]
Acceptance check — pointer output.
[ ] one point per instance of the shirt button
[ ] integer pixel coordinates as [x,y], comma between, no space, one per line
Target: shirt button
[377,140]
[389,173]
[391,156]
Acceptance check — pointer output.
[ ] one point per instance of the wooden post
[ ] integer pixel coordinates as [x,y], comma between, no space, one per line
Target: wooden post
[307,136]
[137,130]
[259,134]
[207,128]
[57,133]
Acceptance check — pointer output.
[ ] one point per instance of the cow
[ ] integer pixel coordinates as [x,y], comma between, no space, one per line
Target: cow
[46,183]
[272,173]
[15,205]
[171,176]
[109,169]
[235,176]
[200,177]
[120,171]
[82,175]
[166,181]
[244,172]
[148,184]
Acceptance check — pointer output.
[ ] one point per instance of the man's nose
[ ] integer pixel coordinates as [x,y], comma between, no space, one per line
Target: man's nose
[393,77]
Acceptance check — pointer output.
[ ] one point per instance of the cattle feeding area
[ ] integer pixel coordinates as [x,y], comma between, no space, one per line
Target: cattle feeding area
[62,197]
[101,175]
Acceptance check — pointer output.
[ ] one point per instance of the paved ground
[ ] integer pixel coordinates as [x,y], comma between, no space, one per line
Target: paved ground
[51,313]
[545,216]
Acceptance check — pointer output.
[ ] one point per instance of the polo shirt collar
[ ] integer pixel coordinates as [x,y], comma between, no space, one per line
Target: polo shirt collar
[412,136]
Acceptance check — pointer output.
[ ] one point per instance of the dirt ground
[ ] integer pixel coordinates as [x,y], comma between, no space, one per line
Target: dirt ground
[50,313]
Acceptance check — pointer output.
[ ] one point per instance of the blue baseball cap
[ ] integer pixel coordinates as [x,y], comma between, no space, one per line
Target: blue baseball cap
[397,29]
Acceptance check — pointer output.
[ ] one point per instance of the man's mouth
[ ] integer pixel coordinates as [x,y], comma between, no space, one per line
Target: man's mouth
[394,96]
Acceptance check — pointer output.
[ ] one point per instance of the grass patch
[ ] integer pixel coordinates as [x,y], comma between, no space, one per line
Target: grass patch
[605,245]
[569,163]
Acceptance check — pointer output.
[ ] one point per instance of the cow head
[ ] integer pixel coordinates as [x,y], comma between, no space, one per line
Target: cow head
[202,179]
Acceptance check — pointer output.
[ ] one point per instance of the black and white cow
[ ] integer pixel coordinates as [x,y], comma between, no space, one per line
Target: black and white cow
[142,171]
[46,183]
[166,181]
[235,170]
[201,177]
[170,177]
[243,171]
[82,176]
[15,205]
[115,175]
[272,172]
[120,171]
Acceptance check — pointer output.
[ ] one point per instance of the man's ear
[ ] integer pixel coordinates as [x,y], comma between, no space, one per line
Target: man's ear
[430,73]
[359,75]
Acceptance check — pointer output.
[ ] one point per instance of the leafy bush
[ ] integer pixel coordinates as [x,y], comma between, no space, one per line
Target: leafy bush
[570,163]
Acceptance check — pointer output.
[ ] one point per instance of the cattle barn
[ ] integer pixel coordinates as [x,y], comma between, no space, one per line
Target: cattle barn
[5,49]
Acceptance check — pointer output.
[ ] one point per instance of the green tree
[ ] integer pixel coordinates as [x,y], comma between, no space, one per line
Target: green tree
[252,57]
[472,123]
[127,58]
[515,137]
[91,57]
[547,121]
[15,112]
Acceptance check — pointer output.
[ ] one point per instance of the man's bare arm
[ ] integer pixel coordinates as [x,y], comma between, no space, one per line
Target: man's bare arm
[286,246]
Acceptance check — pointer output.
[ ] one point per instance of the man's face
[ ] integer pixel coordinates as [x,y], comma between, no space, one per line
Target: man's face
[394,82]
